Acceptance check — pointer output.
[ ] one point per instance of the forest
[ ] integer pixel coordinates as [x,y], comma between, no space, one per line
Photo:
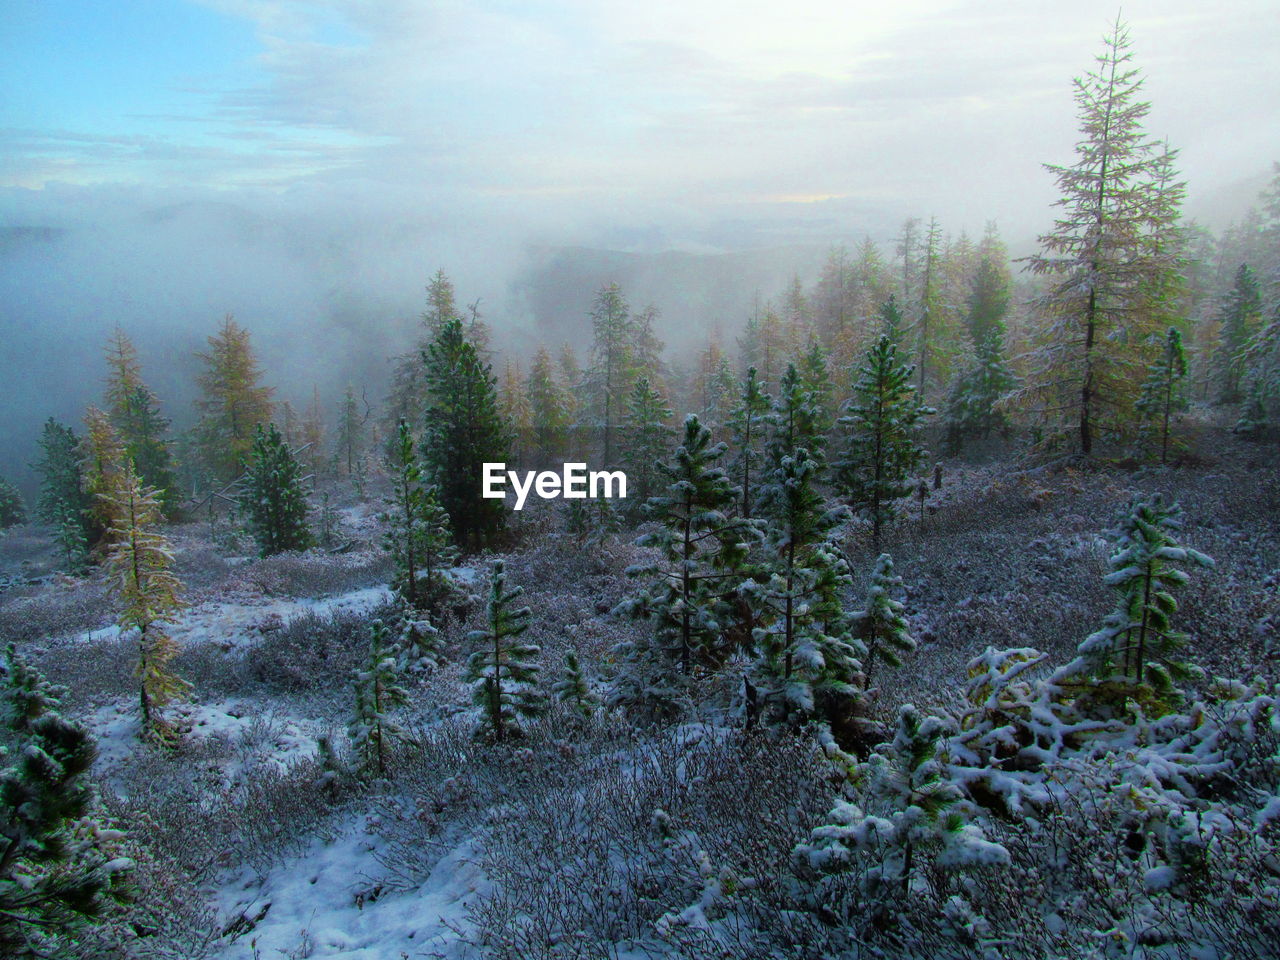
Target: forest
[941,617]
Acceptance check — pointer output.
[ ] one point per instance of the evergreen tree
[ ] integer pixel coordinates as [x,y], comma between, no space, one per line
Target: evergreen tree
[882,421]
[135,412]
[513,405]
[747,424]
[609,376]
[1137,651]
[931,337]
[648,441]
[592,523]
[1162,394]
[503,672]
[60,868]
[274,498]
[421,646]
[1263,362]
[350,440]
[816,379]
[141,564]
[418,536]
[972,409]
[13,510]
[64,503]
[378,692]
[795,423]
[808,662]
[912,812]
[1238,317]
[234,401]
[311,435]
[1108,254]
[880,625]
[699,569]
[891,324]
[573,688]
[463,431]
[549,410]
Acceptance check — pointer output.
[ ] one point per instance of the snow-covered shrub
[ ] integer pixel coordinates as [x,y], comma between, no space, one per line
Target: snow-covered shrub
[312,651]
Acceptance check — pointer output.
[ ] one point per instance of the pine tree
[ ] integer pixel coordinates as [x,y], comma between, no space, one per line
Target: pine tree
[573,688]
[60,868]
[13,510]
[880,625]
[1109,251]
[913,812]
[274,499]
[1239,317]
[816,379]
[972,408]
[418,536]
[63,502]
[1162,394]
[503,673]
[350,440]
[135,412]
[882,420]
[702,551]
[648,441]
[463,431]
[141,564]
[1137,652]
[931,337]
[795,423]
[808,664]
[747,425]
[421,646]
[549,411]
[891,323]
[1262,359]
[234,401]
[609,377]
[378,692]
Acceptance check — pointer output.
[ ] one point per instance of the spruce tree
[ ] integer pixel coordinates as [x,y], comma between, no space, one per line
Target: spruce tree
[972,408]
[795,423]
[808,663]
[378,692]
[891,322]
[135,412]
[1137,651]
[13,510]
[747,424]
[817,381]
[881,422]
[609,376]
[1106,257]
[275,499]
[141,564]
[1238,316]
[648,441]
[573,688]
[503,672]
[418,536]
[350,440]
[60,868]
[880,624]
[463,430]
[1162,394]
[549,410]
[233,403]
[701,554]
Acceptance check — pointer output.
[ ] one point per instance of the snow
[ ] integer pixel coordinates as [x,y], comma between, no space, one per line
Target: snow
[335,895]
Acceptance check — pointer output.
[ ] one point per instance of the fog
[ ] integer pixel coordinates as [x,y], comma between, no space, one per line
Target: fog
[309,166]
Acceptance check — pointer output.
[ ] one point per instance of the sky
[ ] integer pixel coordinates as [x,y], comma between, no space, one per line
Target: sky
[308,165]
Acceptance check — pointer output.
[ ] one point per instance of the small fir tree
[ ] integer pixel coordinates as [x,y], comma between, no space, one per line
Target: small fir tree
[378,692]
[275,499]
[63,502]
[1162,394]
[573,688]
[882,421]
[648,441]
[418,535]
[13,510]
[880,625]
[1137,653]
[463,430]
[60,868]
[808,664]
[747,423]
[503,672]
